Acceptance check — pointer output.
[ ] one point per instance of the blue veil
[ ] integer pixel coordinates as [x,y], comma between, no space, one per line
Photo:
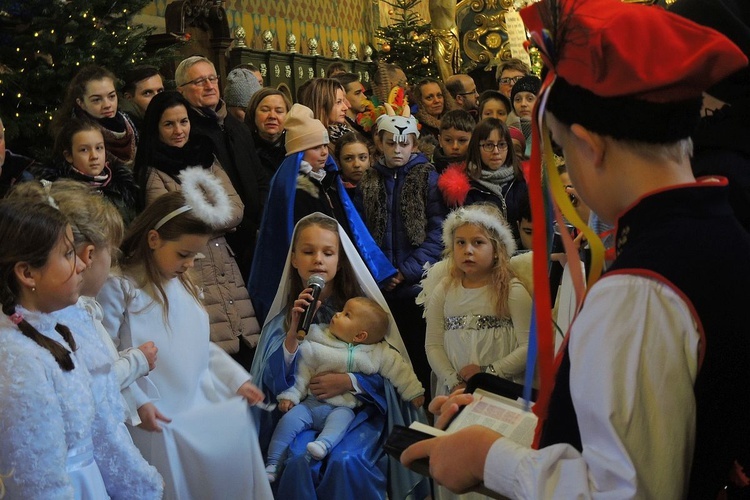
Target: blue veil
[363,473]
[276,230]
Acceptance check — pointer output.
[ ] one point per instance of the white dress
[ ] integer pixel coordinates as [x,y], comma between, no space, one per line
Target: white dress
[462,329]
[47,419]
[210,449]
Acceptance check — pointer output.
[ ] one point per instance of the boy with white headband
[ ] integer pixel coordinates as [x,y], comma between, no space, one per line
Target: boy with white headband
[645,401]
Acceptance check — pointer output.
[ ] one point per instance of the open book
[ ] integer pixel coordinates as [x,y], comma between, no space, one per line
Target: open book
[494,411]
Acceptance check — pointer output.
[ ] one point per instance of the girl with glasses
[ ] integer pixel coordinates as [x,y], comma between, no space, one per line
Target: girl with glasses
[490,173]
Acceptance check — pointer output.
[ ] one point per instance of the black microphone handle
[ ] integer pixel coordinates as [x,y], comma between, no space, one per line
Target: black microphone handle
[304,322]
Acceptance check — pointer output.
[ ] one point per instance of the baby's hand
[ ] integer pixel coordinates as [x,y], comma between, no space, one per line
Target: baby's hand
[285,405]
[150,417]
[250,392]
[150,350]
[418,402]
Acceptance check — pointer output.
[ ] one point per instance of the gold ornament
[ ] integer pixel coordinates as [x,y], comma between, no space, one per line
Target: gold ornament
[390,12]
[386,47]
[425,60]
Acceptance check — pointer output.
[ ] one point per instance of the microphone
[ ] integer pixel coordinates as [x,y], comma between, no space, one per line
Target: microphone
[317,283]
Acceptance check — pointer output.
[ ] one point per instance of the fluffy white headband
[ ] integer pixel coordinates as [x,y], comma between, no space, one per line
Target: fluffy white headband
[203,191]
[205,196]
[475,215]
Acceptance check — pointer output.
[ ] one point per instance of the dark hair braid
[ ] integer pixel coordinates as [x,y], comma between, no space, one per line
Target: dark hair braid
[61,355]
[36,228]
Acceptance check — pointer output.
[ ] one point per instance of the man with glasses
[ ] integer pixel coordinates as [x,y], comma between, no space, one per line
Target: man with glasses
[464,91]
[233,145]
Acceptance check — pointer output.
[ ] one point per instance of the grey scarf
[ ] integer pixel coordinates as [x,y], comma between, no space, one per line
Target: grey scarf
[494,180]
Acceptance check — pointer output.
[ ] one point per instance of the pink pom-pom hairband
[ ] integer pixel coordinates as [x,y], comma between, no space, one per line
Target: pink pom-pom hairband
[16,317]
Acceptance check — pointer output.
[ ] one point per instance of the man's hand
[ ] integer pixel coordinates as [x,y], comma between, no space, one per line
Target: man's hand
[456,460]
[446,407]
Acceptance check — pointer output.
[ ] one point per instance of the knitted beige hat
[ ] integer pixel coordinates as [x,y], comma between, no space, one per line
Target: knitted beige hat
[303,131]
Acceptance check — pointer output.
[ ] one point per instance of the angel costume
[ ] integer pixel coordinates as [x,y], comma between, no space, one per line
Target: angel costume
[60,431]
[210,448]
[463,329]
[357,468]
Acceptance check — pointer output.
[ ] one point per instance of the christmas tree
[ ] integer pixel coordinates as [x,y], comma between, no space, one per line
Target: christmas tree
[43,43]
[407,41]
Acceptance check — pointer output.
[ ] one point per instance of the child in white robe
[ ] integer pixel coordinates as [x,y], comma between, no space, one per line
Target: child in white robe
[199,434]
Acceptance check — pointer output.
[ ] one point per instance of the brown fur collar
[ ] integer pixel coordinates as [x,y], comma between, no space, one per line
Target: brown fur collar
[412,205]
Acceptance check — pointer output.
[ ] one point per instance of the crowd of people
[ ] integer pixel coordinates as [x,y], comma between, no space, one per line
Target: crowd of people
[153,278]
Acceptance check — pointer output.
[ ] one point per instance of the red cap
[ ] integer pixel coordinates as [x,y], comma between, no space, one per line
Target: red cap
[515,133]
[613,48]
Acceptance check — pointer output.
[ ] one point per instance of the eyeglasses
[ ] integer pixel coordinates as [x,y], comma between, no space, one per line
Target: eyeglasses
[471,92]
[510,80]
[489,147]
[201,82]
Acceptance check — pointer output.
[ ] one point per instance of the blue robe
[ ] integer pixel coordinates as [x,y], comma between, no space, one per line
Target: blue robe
[276,231]
[357,468]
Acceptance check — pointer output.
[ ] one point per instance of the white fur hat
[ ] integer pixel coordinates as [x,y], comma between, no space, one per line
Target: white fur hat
[479,215]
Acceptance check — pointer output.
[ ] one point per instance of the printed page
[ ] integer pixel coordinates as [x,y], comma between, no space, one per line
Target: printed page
[500,414]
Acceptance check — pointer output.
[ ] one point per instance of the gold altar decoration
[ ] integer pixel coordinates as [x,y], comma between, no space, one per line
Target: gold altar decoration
[484,38]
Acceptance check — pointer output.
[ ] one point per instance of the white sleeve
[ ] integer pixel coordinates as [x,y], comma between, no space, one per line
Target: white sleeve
[227,370]
[632,373]
[298,391]
[394,367]
[32,434]
[289,356]
[130,365]
[519,306]
[114,298]
[434,346]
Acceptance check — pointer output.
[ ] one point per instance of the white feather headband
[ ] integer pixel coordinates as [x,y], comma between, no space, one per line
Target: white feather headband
[205,196]
[477,216]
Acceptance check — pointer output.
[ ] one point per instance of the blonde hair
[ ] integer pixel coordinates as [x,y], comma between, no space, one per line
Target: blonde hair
[137,256]
[93,218]
[500,273]
[676,152]
[375,320]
